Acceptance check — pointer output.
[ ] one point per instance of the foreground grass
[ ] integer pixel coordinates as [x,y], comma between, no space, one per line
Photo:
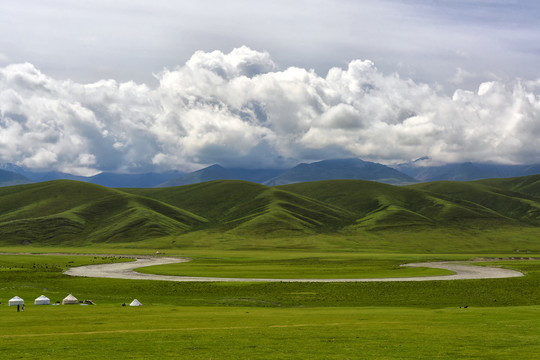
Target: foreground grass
[157,332]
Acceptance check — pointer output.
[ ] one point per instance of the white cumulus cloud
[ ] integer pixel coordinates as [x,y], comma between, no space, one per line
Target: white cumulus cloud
[240,109]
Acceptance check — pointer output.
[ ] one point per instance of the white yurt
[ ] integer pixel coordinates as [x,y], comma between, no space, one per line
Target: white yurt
[16,301]
[135,302]
[42,300]
[70,299]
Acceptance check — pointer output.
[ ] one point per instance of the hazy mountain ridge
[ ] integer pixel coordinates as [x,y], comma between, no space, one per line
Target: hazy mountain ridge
[338,169]
[217,172]
[145,180]
[108,179]
[335,169]
[467,171]
[8,178]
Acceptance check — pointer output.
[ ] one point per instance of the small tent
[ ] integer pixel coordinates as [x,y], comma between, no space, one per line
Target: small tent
[42,300]
[135,302]
[70,299]
[15,301]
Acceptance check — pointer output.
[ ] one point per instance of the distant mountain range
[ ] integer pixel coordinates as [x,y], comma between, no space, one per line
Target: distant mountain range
[464,171]
[339,169]
[217,172]
[355,169]
[8,178]
[14,175]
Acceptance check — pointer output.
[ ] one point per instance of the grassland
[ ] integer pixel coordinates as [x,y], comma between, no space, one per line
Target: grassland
[30,276]
[171,332]
[481,319]
[484,319]
[231,228]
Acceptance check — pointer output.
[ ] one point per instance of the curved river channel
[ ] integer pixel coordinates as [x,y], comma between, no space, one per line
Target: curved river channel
[125,270]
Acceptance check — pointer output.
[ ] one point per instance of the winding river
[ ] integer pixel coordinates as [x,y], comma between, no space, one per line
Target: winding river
[125,270]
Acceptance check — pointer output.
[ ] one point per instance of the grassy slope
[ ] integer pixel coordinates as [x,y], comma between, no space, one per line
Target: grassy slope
[252,209]
[526,185]
[380,205]
[57,212]
[346,214]
[502,197]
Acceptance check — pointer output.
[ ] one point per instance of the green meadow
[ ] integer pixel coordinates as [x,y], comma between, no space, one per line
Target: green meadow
[328,229]
[158,332]
[480,319]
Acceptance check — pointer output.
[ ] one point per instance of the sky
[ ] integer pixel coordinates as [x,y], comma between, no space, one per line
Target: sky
[137,86]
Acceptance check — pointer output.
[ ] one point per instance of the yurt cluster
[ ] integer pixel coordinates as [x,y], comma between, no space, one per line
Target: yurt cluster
[68,300]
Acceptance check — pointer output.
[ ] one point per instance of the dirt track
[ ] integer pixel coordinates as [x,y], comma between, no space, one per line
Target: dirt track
[125,271]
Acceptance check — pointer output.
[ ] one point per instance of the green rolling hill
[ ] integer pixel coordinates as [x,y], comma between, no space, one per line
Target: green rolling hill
[70,212]
[249,208]
[380,206]
[78,214]
[529,185]
[512,199]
